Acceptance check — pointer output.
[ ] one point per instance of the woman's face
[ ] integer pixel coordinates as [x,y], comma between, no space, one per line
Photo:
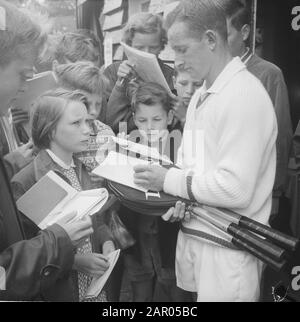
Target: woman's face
[149,43]
[72,131]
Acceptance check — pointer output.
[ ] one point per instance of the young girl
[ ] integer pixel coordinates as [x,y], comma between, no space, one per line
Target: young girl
[87,78]
[59,129]
[152,261]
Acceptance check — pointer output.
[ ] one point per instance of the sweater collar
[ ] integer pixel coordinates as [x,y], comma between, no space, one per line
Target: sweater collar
[230,70]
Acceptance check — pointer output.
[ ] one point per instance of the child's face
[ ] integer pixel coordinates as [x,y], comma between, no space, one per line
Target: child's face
[152,121]
[94,102]
[72,131]
[186,86]
[149,43]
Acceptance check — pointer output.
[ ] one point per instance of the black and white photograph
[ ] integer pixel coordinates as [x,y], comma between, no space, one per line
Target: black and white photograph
[149,153]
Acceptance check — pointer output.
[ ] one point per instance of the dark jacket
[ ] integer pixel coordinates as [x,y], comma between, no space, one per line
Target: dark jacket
[273,80]
[36,268]
[138,223]
[118,108]
[40,166]
[28,176]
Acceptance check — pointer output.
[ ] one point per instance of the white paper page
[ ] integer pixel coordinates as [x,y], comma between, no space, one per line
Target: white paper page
[97,284]
[146,65]
[118,167]
[84,203]
[141,149]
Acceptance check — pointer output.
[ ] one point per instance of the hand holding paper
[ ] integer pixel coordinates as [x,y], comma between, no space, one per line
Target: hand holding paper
[77,230]
[91,264]
[150,177]
[98,283]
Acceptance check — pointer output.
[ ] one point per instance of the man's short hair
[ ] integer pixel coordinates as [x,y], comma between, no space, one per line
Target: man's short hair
[76,46]
[238,13]
[82,76]
[150,94]
[21,37]
[144,23]
[199,16]
[47,111]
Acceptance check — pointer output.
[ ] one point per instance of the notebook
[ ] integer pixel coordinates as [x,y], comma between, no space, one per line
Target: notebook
[51,198]
[97,284]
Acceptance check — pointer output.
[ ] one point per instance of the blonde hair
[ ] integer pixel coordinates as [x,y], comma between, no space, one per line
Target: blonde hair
[145,23]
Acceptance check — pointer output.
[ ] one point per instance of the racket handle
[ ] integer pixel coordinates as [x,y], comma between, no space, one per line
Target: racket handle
[264,246]
[288,242]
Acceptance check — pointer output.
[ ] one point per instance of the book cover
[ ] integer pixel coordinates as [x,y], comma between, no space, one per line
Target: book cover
[41,199]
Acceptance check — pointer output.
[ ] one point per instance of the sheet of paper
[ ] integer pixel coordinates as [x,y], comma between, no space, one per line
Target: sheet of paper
[97,284]
[146,65]
[118,167]
[141,149]
[85,203]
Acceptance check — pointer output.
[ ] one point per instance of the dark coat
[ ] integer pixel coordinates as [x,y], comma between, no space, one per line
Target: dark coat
[36,268]
[28,176]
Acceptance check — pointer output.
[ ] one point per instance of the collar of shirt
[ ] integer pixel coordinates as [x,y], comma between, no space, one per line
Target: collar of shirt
[231,69]
[247,56]
[58,161]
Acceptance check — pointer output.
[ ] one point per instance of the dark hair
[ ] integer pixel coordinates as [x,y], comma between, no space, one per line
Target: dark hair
[82,76]
[238,13]
[150,94]
[199,16]
[47,111]
[73,47]
[145,23]
[21,37]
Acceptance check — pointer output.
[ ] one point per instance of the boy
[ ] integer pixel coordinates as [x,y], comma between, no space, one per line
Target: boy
[32,266]
[185,86]
[152,260]
[145,32]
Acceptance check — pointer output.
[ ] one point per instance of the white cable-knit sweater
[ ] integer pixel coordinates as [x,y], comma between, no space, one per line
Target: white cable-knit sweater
[229,143]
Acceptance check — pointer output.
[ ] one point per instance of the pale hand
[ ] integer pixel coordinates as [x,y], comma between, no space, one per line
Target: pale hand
[26,150]
[125,72]
[150,177]
[91,264]
[177,213]
[108,247]
[77,230]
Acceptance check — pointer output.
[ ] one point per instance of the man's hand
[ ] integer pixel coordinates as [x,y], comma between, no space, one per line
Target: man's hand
[150,177]
[26,150]
[177,213]
[91,264]
[108,247]
[77,230]
[19,116]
